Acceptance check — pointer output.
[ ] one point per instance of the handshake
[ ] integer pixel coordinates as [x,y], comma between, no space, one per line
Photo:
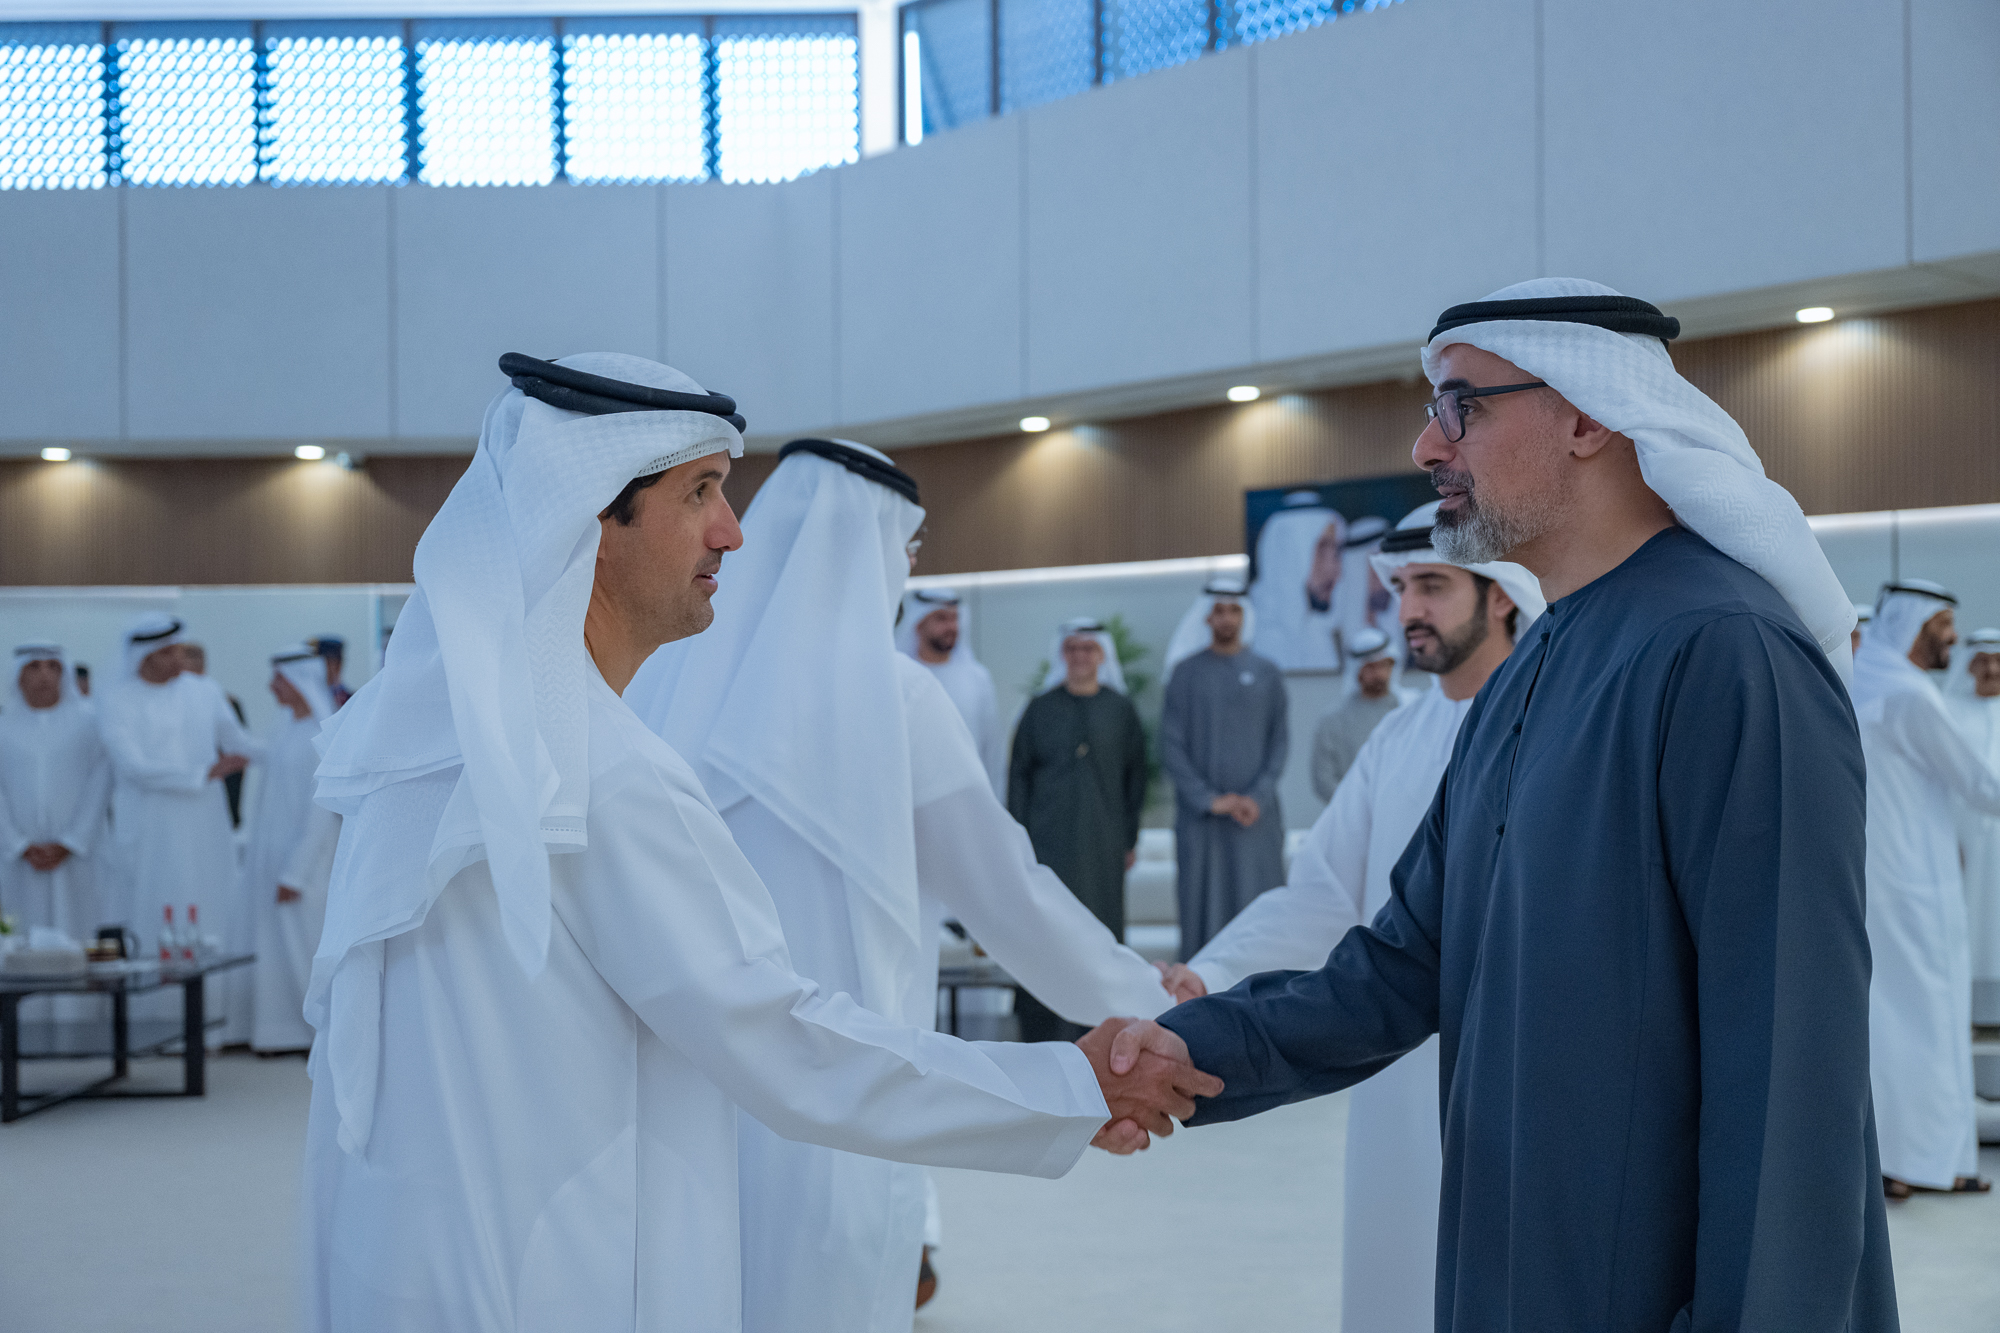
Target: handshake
[1147,1078]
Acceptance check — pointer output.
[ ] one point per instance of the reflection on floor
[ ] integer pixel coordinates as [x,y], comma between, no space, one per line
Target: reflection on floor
[177,1217]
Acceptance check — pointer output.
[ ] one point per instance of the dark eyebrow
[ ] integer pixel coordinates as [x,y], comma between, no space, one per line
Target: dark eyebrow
[708,474]
[1445,386]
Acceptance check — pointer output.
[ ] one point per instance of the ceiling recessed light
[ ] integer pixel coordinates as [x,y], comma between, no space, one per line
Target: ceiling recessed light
[1034,424]
[1815,314]
[1245,393]
[309,453]
[55,454]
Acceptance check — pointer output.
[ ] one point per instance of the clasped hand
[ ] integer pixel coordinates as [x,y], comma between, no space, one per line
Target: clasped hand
[1243,809]
[1148,1081]
[45,855]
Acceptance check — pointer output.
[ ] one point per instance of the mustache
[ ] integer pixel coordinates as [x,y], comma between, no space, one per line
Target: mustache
[710,564]
[1421,627]
[1442,477]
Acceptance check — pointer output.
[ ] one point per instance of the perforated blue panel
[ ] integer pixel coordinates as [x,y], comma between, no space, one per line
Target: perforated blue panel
[486,98]
[51,107]
[633,100]
[187,103]
[788,96]
[1048,49]
[1256,20]
[333,103]
[1144,35]
[955,60]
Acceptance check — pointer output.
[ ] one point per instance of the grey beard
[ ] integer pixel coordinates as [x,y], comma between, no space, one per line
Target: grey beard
[1474,534]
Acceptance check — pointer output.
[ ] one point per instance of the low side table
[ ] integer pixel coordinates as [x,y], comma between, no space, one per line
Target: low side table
[189,1032]
[982,972]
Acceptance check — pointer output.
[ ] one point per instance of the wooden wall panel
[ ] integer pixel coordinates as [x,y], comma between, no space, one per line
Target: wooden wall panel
[1896,411]
[216,520]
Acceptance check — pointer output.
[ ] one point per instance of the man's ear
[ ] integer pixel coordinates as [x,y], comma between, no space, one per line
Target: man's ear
[1587,438]
[1498,603]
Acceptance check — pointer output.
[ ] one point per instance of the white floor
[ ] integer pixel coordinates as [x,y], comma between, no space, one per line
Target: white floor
[177,1217]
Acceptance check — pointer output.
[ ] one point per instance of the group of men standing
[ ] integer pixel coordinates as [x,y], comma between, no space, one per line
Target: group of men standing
[114,812]
[623,1007]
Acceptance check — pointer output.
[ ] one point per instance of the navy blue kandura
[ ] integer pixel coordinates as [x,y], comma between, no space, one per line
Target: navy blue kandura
[1634,915]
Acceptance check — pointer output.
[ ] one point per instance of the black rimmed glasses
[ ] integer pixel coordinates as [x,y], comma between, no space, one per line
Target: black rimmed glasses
[1446,409]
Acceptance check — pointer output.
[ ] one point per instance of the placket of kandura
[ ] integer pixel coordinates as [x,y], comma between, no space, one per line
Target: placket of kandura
[1527,701]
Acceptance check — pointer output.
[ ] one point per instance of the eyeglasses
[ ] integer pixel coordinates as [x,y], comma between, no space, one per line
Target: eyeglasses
[1446,410]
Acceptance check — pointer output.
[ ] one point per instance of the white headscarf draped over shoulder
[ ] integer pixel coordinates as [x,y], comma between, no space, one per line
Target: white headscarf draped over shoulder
[1409,544]
[1692,453]
[920,602]
[1959,682]
[144,637]
[487,674]
[1109,671]
[25,653]
[301,664]
[795,691]
[1192,635]
[1901,611]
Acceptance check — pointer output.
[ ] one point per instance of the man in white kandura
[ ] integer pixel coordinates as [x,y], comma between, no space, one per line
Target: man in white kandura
[290,857]
[172,739]
[936,631]
[1460,622]
[843,771]
[1974,700]
[549,980]
[1920,769]
[55,789]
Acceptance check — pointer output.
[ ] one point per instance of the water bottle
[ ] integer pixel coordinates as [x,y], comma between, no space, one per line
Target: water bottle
[169,937]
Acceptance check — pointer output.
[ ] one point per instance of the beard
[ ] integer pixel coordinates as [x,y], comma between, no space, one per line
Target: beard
[1477,531]
[1449,648]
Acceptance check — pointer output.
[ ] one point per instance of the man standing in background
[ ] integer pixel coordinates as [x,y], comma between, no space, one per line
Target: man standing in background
[1460,623]
[172,739]
[1223,738]
[1920,770]
[933,631]
[194,659]
[333,651]
[55,786]
[1077,782]
[286,867]
[1369,699]
[1974,700]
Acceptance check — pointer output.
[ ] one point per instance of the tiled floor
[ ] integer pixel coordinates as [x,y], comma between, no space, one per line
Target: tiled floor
[177,1217]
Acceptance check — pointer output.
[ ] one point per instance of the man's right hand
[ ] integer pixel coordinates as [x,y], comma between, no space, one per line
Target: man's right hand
[1156,1083]
[1224,805]
[1182,982]
[227,765]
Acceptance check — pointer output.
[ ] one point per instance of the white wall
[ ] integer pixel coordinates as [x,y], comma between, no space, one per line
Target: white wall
[1293,212]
